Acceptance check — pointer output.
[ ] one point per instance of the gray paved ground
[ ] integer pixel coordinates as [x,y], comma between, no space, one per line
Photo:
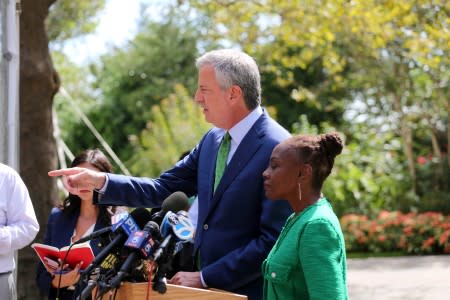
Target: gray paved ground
[411,277]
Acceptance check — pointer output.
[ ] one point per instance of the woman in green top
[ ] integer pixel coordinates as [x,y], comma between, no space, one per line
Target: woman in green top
[308,260]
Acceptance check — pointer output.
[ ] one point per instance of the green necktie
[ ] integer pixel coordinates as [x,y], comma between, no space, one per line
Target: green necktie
[222,156]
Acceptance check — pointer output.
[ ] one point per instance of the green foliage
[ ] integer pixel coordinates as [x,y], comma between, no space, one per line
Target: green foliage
[68,18]
[412,233]
[176,127]
[320,58]
[377,71]
[366,176]
[77,87]
[308,92]
[433,175]
[134,79]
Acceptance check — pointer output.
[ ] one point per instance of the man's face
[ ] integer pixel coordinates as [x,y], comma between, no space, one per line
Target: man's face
[212,99]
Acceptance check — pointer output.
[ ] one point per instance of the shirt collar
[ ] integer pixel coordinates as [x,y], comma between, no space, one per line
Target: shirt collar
[238,131]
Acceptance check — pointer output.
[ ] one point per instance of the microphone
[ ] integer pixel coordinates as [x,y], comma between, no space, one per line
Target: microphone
[176,229]
[136,220]
[116,221]
[174,202]
[142,245]
[178,224]
[94,235]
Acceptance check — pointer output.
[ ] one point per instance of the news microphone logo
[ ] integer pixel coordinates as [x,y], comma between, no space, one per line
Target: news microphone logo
[119,217]
[109,262]
[142,241]
[125,222]
[179,224]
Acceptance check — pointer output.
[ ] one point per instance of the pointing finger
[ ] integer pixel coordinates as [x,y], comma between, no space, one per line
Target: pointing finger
[62,172]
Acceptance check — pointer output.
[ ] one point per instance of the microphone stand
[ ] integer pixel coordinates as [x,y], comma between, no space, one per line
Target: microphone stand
[163,257]
[86,292]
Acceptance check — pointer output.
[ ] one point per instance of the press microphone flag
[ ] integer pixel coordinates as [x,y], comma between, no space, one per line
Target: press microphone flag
[179,224]
[116,221]
[175,230]
[140,243]
[144,240]
[135,221]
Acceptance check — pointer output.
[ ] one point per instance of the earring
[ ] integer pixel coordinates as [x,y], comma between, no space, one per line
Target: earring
[299,192]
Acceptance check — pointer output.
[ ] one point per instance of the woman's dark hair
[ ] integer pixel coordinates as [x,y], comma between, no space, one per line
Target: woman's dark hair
[319,151]
[97,159]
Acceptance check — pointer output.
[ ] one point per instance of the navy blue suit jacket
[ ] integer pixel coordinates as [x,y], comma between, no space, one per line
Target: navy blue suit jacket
[60,227]
[237,225]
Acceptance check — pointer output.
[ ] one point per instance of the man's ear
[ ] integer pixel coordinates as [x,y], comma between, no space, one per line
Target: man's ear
[235,92]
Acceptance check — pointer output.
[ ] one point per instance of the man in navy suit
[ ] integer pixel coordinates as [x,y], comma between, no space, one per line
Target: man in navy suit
[237,225]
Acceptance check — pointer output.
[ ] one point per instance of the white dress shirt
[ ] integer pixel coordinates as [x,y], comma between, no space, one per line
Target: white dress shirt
[18,223]
[240,130]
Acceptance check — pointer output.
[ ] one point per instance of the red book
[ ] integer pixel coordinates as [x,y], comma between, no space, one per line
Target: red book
[79,252]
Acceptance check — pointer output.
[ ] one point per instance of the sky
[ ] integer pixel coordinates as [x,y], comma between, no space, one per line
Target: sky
[117,25]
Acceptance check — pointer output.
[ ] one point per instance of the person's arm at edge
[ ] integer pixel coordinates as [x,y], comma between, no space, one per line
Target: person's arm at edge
[22,225]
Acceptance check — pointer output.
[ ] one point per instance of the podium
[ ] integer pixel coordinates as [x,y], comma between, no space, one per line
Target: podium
[138,291]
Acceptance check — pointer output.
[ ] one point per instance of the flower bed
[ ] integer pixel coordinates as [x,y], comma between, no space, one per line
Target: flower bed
[411,233]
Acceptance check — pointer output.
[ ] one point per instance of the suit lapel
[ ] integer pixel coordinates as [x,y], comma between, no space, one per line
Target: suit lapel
[67,227]
[245,151]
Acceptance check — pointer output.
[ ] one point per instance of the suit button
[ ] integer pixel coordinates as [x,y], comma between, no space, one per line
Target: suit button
[273,274]
[205,227]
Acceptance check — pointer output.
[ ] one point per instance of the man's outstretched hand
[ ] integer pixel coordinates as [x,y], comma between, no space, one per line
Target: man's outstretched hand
[80,179]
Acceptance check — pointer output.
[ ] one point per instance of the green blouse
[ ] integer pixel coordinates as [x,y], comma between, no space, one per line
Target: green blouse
[308,260]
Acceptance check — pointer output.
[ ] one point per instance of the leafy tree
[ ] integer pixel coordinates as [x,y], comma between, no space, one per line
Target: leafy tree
[70,19]
[388,57]
[296,79]
[176,125]
[366,177]
[133,79]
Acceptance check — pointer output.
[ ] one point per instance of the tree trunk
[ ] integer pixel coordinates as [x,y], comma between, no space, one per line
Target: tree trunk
[406,135]
[38,84]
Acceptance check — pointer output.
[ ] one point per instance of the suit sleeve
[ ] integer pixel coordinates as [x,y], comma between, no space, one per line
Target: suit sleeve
[148,192]
[320,254]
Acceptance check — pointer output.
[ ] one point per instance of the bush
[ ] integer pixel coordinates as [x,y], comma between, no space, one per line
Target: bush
[411,233]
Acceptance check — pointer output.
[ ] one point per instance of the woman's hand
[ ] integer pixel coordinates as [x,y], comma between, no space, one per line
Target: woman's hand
[68,278]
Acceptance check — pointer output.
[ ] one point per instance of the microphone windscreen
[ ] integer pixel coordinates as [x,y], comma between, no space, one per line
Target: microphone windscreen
[151,227]
[175,202]
[141,216]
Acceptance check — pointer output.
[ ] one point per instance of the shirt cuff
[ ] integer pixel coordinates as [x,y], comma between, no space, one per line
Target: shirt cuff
[105,185]
[98,193]
[203,281]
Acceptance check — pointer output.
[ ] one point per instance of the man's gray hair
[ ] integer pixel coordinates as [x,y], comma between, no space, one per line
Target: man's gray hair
[234,67]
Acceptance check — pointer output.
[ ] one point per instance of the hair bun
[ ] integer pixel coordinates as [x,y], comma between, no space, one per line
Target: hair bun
[332,143]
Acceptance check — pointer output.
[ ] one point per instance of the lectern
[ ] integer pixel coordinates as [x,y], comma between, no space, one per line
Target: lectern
[138,291]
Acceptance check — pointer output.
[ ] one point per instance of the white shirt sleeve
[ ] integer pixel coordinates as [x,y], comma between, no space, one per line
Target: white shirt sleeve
[18,223]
